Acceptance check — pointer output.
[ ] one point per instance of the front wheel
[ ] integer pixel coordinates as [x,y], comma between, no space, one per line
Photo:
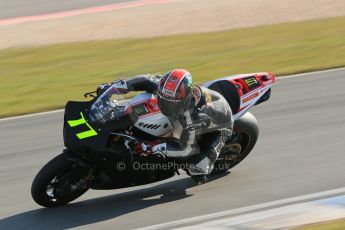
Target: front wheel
[59,182]
[243,140]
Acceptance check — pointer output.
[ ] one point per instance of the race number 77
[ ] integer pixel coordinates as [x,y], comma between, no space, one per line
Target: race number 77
[89,133]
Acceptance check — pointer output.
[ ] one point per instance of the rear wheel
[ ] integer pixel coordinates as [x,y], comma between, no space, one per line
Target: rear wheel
[59,182]
[243,140]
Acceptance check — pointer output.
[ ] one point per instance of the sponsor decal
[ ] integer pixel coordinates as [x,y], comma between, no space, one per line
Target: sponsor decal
[250,97]
[168,92]
[140,109]
[251,81]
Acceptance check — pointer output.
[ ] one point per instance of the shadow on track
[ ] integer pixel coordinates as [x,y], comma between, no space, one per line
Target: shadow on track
[100,209]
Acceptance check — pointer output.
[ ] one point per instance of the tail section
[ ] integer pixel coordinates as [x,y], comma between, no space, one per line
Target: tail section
[244,91]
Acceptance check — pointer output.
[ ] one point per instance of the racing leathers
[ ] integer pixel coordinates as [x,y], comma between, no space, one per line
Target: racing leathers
[200,133]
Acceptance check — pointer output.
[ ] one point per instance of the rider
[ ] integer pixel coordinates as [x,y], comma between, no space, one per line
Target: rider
[203,115]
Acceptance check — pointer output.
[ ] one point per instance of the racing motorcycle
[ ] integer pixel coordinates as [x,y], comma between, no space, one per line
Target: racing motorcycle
[107,140]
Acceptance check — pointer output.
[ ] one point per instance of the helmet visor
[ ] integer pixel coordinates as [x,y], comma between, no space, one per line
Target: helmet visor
[170,107]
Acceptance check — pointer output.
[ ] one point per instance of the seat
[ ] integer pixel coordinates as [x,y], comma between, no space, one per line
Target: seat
[229,92]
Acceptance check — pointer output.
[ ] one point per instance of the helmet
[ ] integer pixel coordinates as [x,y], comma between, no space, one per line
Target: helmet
[174,94]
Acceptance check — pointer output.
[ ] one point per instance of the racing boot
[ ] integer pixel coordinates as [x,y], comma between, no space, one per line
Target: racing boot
[202,165]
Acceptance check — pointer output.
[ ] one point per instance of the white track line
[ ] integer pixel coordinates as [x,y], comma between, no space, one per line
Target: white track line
[280,78]
[285,217]
[311,73]
[31,115]
[251,208]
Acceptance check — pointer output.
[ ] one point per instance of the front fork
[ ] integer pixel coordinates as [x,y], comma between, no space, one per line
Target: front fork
[81,172]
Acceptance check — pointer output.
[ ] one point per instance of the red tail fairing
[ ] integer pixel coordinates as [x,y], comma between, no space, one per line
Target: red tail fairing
[247,84]
[244,91]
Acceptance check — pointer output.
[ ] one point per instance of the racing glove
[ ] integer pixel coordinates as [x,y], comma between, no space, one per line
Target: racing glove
[101,88]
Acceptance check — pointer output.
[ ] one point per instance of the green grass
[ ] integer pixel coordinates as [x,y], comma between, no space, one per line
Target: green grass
[332,225]
[45,77]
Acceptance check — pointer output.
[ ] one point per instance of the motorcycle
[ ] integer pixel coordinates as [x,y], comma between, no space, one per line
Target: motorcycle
[107,140]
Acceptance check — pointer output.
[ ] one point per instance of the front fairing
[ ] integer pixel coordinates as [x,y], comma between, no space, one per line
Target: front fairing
[83,135]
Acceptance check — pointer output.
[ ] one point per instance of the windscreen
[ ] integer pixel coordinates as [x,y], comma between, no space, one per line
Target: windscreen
[106,107]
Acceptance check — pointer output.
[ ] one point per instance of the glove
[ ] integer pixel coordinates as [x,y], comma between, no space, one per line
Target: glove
[144,148]
[101,88]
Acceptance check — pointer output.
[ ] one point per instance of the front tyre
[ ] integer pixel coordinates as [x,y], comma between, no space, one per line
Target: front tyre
[59,182]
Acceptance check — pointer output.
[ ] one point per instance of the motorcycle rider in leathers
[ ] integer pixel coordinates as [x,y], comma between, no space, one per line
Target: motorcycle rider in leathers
[203,117]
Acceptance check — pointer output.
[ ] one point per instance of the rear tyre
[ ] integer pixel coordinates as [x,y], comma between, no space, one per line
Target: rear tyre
[58,183]
[243,140]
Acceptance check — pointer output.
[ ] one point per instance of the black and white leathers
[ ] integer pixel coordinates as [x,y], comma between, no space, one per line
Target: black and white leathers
[209,115]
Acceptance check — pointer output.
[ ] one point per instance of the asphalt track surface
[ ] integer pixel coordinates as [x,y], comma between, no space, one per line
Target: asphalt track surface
[18,8]
[300,151]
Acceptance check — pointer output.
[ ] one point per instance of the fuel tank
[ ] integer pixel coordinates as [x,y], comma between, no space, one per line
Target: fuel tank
[150,120]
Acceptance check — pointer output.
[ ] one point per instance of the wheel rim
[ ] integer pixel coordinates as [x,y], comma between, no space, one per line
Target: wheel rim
[236,150]
[50,189]
[60,187]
